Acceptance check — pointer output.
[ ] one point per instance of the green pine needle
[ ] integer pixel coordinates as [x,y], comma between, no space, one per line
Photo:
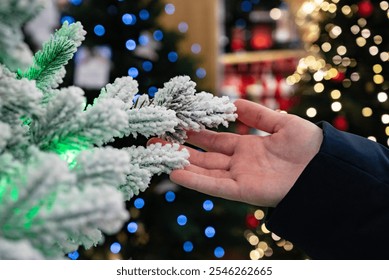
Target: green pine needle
[48,64]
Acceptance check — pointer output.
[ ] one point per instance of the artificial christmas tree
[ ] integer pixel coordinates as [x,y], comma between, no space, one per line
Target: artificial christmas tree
[344,79]
[62,185]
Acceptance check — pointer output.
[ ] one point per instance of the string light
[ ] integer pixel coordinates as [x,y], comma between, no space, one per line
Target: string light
[311,112]
[335,94]
[144,14]
[210,232]
[361,42]
[147,66]
[99,30]
[170,196]
[196,48]
[341,50]
[170,9]
[373,50]
[115,247]
[158,35]
[139,203]
[346,10]
[188,246]
[129,19]
[384,56]
[172,56]
[183,27]
[182,220]
[384,5]
[355,29]
[130,45]
[378,79]
[355,76]
[318,87]
[74,255]
[132,227]
[336,106]
[208,205]
[201,73]
[69,19]
[382,97]
[367,112]
[385,119]
[133,72]
[219,252]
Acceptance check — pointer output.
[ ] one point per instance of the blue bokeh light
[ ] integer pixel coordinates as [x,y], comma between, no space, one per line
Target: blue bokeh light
[196,48]
[99,30]
[133,72]
[170,196]
[131,45]
[218,252]
[147,66]
[210,232]
[183,27]
[240,22]
[172,56]
[73,255]
[129,19]
[188,246]
[69,19]
[151,91]
[158,35]
[132,227]
[182,220]
[170,9]
[139,203]
[75,2]
[201,73]
[246,6]
[143,40]
[144,14]
[208,205]
[115,247]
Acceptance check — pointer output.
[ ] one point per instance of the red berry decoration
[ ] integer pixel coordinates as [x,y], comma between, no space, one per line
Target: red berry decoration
[339,77]
[365,8]
[341,123]
[251,221]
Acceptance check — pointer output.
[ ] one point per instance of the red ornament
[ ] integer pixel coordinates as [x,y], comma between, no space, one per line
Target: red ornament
[341,123]
[251,221]
[238,39]
[365,8]
[261,37]
[339,77]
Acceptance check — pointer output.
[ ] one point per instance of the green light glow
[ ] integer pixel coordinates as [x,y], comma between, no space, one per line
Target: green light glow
[3,184]
[14,193]
[68,150]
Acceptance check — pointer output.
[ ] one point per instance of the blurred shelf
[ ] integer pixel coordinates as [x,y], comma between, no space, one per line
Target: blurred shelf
[259,56]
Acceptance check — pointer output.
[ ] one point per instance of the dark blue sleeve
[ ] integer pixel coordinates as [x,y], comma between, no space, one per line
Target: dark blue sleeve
[339,206]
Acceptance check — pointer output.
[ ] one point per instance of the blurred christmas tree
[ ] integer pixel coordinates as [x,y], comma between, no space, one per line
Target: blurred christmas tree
[129,34]
[344,79]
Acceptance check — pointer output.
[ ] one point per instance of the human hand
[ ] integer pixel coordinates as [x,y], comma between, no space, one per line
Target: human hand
[258,170]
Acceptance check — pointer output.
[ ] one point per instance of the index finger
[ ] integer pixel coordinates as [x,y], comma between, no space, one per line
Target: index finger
[211,141]
[258,116]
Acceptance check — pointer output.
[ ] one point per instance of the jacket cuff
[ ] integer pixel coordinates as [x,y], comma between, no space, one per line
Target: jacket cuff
[324,211]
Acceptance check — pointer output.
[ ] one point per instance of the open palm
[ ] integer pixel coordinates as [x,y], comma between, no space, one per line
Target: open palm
[258,170]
